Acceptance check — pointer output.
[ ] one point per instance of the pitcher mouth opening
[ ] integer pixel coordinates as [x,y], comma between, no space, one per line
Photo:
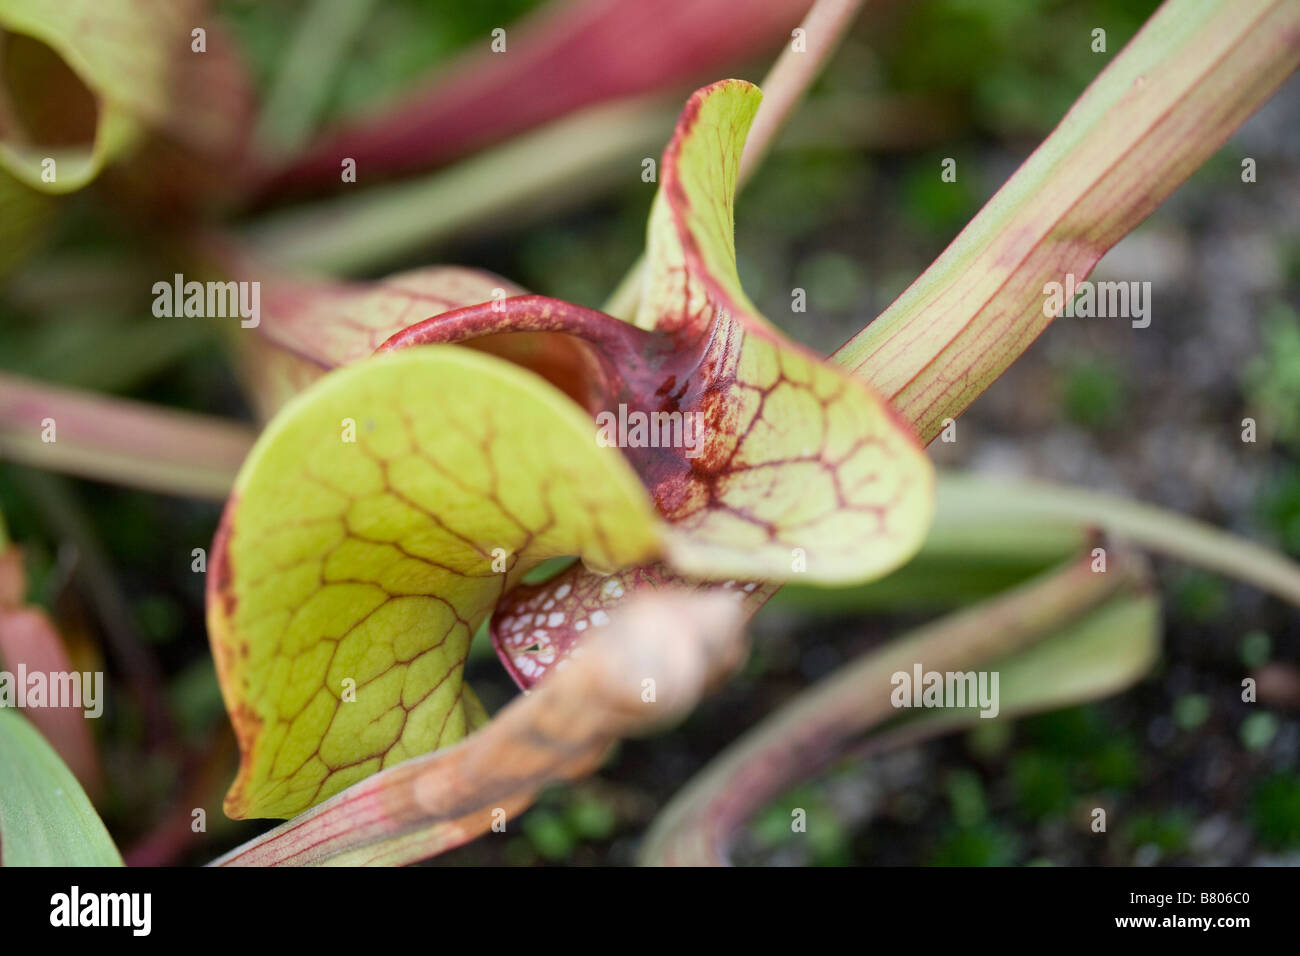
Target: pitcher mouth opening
[46,109]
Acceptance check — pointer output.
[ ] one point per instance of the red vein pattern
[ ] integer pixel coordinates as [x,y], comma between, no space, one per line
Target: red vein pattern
[373,561]
[800,469]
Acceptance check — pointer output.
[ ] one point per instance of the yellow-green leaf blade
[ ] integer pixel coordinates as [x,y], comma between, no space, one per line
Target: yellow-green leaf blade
[374,560]
[804,473]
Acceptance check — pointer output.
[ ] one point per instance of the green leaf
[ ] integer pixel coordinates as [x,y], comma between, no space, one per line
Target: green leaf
[45,817]
[1100,654]
[375,559]
[801,465]
[800,461]
[561,731]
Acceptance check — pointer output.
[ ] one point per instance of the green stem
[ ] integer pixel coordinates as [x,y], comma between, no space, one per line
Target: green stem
[1173,95]
[970,498]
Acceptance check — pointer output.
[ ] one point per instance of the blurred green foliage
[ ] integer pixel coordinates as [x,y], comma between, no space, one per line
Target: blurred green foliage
[1256,647]
[1042,783]
[1258,730]
[837,281]
[563,822]
[1094,394]
[1169,831]
[966,797]
[796,193]
[1067,754]
[401,41]
[823,837]
[1191,711]
[1279,507]
[1019,64]
[1272,379]
[984,844]
[941,207]
[1199,596]
[1275,811]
